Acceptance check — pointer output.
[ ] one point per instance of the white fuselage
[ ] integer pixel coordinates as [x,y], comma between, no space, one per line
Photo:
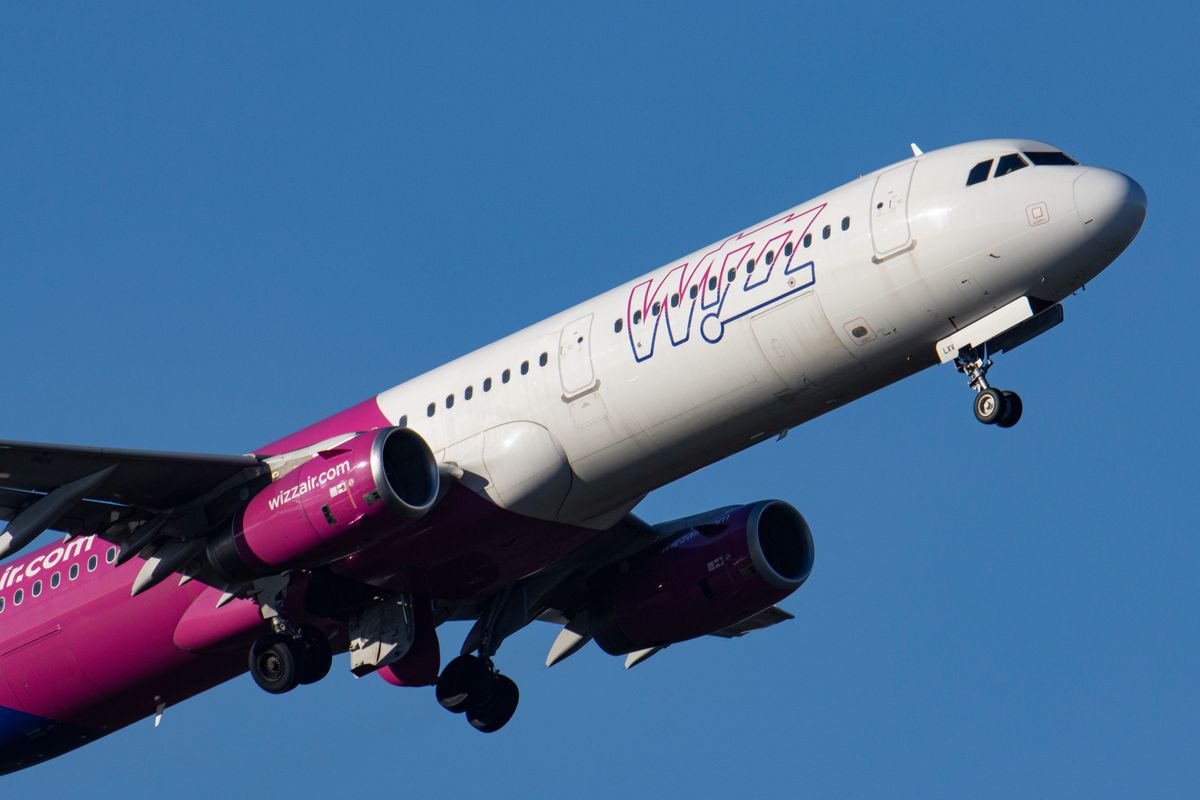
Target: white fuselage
[709,354]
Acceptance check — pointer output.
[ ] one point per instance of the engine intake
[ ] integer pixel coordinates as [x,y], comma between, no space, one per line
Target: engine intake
[339,501]
[718,569]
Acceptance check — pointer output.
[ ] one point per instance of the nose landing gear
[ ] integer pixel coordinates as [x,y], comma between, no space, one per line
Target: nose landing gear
[992,406]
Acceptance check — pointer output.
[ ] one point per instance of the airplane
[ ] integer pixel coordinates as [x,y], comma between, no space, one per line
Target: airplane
[499,487]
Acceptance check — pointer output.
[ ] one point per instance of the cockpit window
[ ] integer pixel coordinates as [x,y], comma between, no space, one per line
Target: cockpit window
[979,172]
[1050,158]
[1010,163]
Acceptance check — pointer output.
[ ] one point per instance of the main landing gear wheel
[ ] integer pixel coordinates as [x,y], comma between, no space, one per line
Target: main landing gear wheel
[318,654]
[464,681]
[495,710]
[471,685]
[282,661]
[276,662]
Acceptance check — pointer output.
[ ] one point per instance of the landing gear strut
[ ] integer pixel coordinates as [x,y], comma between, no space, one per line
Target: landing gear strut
[471,685]
[290,657]
[992,406]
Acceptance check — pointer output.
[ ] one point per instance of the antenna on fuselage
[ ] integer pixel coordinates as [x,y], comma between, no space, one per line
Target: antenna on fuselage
[917,152]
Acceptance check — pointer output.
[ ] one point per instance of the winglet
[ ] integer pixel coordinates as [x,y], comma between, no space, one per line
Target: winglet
[916,150]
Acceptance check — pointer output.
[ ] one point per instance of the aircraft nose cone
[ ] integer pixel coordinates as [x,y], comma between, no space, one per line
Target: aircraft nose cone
[1111,207]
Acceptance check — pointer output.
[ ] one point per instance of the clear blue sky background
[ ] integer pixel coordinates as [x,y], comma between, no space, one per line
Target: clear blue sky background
[221,223]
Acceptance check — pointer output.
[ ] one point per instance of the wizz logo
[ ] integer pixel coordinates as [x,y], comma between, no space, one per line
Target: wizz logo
[740,276]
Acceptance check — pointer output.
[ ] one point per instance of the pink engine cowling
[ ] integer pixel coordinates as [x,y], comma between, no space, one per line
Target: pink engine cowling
[336,503]
[721,568]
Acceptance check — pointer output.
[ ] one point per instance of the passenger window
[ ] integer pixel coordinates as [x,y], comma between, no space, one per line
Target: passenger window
[845,223]
[807,239]
[430,409]
[543,359]
[692,292]
[750,267]
[825,232]
[55,580]
[770,257]
[487,384]
[449,401]
[731,274]
[712,283]
[675,300]
[979,173]
[468,392]
[111,555]
[18,596]
[524,367]
[93,562]
[1009,163]
[787,249]
[403,423]
[74,572]
[617,326]
[504,376]
[37,588]
[1,605]
[656,308]
[637,317]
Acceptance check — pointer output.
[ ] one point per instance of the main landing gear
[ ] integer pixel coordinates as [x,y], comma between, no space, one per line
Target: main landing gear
[471,685]
[290,657]
[992,406]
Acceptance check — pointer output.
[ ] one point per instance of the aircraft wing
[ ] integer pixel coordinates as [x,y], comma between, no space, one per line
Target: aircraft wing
[154,481]
[166,496]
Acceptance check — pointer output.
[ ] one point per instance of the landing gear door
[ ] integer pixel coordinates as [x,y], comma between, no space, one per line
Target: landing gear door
[889,211]
[575,358]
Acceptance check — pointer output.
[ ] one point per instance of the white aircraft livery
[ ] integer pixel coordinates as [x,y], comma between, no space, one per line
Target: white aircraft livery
[498,488]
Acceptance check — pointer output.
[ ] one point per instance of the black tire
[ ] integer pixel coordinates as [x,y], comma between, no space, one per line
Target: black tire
[494,712]
[466,680]
[1012,410]
[318,654]
[989,406]
[276,662]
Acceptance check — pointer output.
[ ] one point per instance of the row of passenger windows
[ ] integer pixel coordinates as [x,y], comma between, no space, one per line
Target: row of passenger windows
[469,392]
[730,275]
[1015,161]
[35,590]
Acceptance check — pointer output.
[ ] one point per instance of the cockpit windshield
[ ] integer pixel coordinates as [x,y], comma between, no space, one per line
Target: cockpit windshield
[1015,161]
[1050,158]
[1010,163]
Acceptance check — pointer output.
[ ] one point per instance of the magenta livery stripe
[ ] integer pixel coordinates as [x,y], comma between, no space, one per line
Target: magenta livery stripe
[362,417]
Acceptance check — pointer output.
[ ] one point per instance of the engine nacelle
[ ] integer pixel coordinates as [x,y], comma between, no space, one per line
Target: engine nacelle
[720,568]
[332,505]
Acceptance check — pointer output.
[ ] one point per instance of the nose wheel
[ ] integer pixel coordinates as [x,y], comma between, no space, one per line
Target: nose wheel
[471,685]
[998,407]
[992,406]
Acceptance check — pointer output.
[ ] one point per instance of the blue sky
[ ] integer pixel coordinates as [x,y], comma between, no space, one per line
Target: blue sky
[220,223]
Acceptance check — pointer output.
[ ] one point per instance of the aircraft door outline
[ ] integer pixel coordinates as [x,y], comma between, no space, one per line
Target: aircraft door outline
[890,233]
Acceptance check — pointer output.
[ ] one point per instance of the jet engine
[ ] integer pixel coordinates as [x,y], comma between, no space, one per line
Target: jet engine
[718,569]
[332,505]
